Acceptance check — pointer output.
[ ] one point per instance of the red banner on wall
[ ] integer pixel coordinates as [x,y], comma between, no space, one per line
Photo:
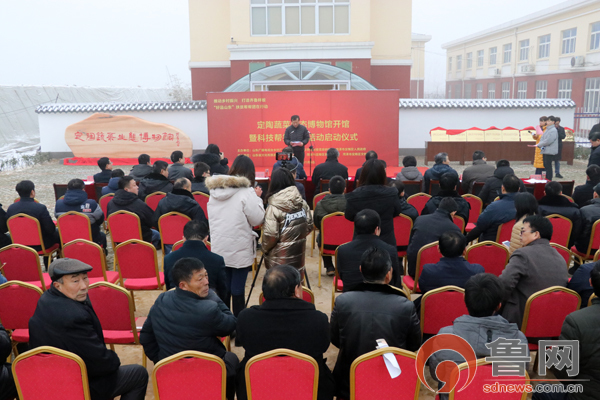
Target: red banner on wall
[353,121]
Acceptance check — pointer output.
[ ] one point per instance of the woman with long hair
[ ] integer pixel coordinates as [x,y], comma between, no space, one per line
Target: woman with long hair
[288,221]
[526,205]
[373,193]
[214,158]
[234,207]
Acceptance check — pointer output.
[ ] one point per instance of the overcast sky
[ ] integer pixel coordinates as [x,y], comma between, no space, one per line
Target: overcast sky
[130,43]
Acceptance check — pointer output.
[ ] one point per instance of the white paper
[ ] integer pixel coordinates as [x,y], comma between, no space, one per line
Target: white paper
[536,180]
[391,363]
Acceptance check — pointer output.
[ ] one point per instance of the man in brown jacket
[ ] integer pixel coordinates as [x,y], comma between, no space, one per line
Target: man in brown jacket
[533,267]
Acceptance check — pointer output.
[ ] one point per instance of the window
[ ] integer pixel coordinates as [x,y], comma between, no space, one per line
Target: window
[507,53]
[449,96]
[480,58]
[479,89]
[255,66]
[289,17]
[493,52]
[449,64]
[568,41]
[458,63]
[522,90]
[591,102]
[347,65]
[458,91]
[469,60]
[467,90]
[524,50]
[544,47]
[541,89]
[491,90]
[506,90]
[595,36]
[564,88]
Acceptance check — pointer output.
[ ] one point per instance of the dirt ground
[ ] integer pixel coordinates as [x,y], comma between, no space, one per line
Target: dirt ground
[44,175]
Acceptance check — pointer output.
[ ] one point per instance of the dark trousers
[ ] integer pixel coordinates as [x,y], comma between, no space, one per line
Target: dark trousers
[132,381]
[231,365]
[8,389]
[548,161]
[299,153]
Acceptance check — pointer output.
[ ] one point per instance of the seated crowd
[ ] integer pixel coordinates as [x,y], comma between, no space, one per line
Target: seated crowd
[205,278]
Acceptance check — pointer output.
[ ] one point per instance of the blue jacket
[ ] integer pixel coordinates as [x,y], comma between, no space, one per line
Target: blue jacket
[435,173]
[494,215]
[580,282]
[300,173]
[112,187]
[454,271]
[77,200]
[214,264]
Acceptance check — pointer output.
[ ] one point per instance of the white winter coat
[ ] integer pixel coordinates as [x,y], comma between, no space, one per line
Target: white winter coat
[233,209]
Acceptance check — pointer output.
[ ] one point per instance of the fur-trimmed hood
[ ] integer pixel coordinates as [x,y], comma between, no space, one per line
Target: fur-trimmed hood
[223,187]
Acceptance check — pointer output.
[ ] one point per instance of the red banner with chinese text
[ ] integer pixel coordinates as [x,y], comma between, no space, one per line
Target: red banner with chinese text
[353,121]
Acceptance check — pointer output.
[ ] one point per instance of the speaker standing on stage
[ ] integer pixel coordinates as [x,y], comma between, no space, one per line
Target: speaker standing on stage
[297,136]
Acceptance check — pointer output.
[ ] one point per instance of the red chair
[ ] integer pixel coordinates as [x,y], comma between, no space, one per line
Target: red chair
[505,231]
[202,199]
[492,256]
[335,231]
[170,226]
[460,222]
[428,254]
[123,226]
[114,307]
[307,295]
[73,225]
[545,312]
[440,307]
[26,230]
[178,245]
[337,286]
[104,200]
[402,227]
[484,377]
[476,207]
[154,198]
[187,366]
[18,301]
[593,245]
[19,199]
[51,374]
[370,379]
[418,201]
[282,373]
[412,187]
[568,255]
[561,229]
[316,199]
[93,255]
[137,263]
[22,263]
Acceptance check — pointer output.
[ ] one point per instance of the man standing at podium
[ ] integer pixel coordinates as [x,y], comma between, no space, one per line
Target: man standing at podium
[297,136]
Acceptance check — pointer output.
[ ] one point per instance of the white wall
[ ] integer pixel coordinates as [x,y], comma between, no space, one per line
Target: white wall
[415,123]
[52,126]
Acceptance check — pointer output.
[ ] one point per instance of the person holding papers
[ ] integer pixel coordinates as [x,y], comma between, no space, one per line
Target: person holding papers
[297,136]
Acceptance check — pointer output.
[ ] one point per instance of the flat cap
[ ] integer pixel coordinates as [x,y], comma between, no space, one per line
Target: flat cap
[67,266]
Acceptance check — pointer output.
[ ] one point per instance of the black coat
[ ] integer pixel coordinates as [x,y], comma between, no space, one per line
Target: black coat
[289,324]
[214,264]
[181,201]
[463,206]
[427,229]
[367,313]
[454,271]
[217,166]
[583,194]
[180,320]
[382,199]
[38,211]
[103,176]
[562,206]
[154,183]
[198,186]
[7,383]
[350,254]
[73,326]
[140,171]
[328,170]
[580,282]
[589,215]
[4,239]
[594,156]
[493,185]
[128,201]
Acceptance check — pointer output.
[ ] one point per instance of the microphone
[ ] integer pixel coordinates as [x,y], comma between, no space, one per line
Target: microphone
[310,138]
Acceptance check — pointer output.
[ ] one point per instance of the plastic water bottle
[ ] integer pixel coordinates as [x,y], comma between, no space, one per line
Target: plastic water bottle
[544,175]
[266,172]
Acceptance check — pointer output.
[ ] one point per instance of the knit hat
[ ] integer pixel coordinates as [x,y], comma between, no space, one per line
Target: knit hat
[67,266]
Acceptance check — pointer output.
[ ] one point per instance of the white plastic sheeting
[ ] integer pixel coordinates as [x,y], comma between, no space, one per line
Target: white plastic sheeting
[19,129]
